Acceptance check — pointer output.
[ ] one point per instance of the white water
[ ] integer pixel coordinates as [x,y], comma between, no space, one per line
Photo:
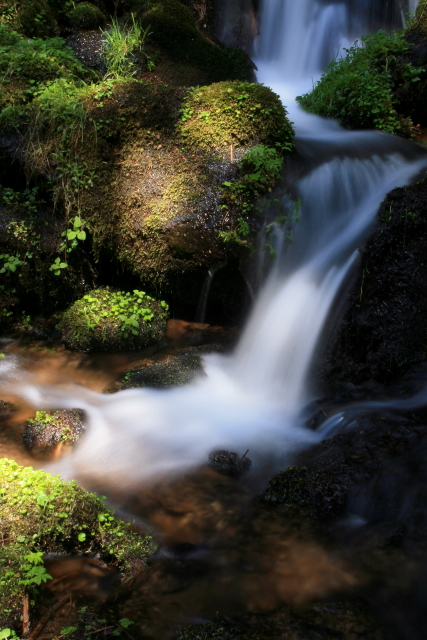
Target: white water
[254,399]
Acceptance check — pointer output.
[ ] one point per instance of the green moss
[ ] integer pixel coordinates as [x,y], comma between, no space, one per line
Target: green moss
[362,90]
[86,16]
[40,512]
[47,429]
[108,320]
[238,113]
[289,486]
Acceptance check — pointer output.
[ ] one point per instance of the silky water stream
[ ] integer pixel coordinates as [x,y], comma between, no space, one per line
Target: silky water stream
[147,448]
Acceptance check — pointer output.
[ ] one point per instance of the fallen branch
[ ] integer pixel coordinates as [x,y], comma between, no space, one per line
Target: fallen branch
[46,617]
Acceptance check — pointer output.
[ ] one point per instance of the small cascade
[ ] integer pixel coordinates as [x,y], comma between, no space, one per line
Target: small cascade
[255,398]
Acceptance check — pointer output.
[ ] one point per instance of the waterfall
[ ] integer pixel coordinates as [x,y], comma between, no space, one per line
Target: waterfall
[254,398]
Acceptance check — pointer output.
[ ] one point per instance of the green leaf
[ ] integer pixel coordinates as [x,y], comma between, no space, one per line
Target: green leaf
[81,537]
[5,633]
[77,222]
[71,234]
[81,235]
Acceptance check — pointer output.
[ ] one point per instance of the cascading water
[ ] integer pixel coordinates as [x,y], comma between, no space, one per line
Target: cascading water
[254,398]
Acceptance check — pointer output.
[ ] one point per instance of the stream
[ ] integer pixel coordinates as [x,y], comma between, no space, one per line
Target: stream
[147,449]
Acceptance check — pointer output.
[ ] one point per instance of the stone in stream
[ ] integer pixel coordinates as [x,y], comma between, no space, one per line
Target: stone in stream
[229,463]
[48,433]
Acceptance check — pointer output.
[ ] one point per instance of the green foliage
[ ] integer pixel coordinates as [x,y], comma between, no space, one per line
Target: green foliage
[235,113]
[260,169]
[120,41]
[28,66]
[359,90]
[34,572]
[113,320]
[33,18]
[41,513]
[85,16]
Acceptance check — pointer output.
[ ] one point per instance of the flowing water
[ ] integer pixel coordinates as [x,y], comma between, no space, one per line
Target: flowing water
[256,397]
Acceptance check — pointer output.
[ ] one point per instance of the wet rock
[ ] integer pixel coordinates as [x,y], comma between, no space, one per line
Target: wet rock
[329,474]
[88,46]
[382,333]
[174,370]
[6,409]
[48,430]
[345,620]
[229,463]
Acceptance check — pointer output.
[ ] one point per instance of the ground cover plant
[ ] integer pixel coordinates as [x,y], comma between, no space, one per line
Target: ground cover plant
[40,513]
[114,320]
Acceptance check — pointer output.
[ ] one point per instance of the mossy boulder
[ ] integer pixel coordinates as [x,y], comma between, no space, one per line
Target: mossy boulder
[41,513]
[158,200]
[235,113]
[107,320]
[47,430]
[289,486]
[86,15]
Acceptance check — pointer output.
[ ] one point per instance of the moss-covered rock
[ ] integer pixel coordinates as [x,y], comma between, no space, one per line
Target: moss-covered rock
[107,320]
[289,486]
[41,513]
[235,113]
[48,430]
[86,15]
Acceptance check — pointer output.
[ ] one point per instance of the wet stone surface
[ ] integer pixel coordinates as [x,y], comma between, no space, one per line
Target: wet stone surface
[47,432]
[87,45]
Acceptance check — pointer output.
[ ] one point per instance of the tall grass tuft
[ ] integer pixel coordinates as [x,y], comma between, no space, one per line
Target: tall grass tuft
[120,41]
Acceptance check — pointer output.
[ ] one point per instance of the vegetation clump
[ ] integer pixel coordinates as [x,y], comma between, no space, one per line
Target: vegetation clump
[289,486]
[362,89]
[235,113]
[108,320]
[86,15]
[41,513]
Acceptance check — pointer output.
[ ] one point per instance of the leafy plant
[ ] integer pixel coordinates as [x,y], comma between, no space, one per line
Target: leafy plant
[260,169]
[359,90]
[34,571]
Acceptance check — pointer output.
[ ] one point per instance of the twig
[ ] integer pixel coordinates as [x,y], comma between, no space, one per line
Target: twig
[26,615]
[46,617]
[91,633]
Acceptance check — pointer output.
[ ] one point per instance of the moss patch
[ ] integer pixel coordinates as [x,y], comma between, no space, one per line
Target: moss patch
[86,16]
[40,512]
[108,320]
[47,430]
[238,113]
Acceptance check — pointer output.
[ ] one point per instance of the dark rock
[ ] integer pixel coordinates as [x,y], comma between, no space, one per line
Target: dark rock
[87,46]
[229,463]
[383,330]
[173,370]
[6,409]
